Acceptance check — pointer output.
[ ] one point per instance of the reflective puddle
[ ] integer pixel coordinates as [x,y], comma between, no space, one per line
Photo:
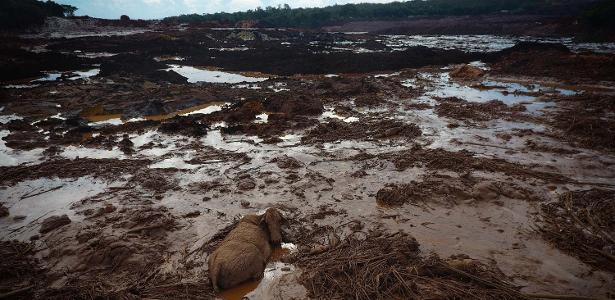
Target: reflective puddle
[70,75]
[195,75]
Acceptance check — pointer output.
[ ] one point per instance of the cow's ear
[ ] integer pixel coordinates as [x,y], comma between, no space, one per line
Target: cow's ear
[262,219]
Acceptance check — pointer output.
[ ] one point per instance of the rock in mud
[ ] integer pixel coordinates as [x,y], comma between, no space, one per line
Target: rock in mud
[245,112]
[391,196]
[246,184]
[287,162]
[4,211]
[54,222]
[467,72]
[126,145]
[485,191]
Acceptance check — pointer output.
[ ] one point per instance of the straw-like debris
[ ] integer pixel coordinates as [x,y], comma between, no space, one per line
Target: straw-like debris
[19,271]
[391,267]
[464,161]
[581,223]
[337,130]
[459,109]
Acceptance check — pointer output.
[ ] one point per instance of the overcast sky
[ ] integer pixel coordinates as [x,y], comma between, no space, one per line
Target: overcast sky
[154,9]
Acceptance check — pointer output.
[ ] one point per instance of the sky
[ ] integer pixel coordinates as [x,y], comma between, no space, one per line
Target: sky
[155,9]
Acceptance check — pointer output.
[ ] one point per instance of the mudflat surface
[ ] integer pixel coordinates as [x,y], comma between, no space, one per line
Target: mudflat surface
[464,169]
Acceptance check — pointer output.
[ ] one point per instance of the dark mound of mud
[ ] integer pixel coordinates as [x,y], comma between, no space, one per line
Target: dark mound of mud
[54,222]
[336,130]
[281,60]
[295,105]
[390,267]
[132,64]
[243,112]
[66,168]
[185,125]
[581,223]
[555,61]
[536,46]
[16,63]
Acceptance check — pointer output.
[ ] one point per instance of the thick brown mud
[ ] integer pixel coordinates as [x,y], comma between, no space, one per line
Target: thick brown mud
[401,173]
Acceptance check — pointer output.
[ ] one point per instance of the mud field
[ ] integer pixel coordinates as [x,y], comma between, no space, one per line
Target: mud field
[406,167]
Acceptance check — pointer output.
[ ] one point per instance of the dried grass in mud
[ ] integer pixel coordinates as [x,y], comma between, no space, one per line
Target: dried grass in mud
[392,267]
[465,161]
[19,270]
[581,223]
[586,120]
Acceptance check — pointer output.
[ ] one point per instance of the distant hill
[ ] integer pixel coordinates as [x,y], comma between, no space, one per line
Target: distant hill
[285,16]
[19,14]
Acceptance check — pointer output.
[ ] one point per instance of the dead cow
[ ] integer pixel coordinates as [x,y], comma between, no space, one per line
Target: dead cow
[243,254]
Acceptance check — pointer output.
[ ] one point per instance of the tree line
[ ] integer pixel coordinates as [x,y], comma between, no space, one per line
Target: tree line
[285,16]
[19,14]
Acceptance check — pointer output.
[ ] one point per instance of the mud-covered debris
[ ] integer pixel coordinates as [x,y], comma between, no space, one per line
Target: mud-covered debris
[155,180]
[54,222]
[18,270]
[67,168]
[391,267]
[246,184]
[192,214]
[581,223]
[467,72]
[485,191]
[287,162]
[460,109]
[358,174]
[587,120]
[185,125]
[245,203]
[465,161]
[126,145]
[4,211]
[243,112]
[338,130]
[298,105]
[445,189]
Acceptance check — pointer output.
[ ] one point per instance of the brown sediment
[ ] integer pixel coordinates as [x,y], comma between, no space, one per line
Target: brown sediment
[581,223]
[447,189]
[465,161]
[20,272]
[335,130]
[459,109]
[535,59]
[586,120]
[67,168]
[131,239]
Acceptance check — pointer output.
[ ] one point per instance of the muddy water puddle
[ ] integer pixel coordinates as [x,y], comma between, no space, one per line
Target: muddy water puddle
[274,270]
[70,75]
[58,195]
[484,43]
[195,75]
[510,93]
